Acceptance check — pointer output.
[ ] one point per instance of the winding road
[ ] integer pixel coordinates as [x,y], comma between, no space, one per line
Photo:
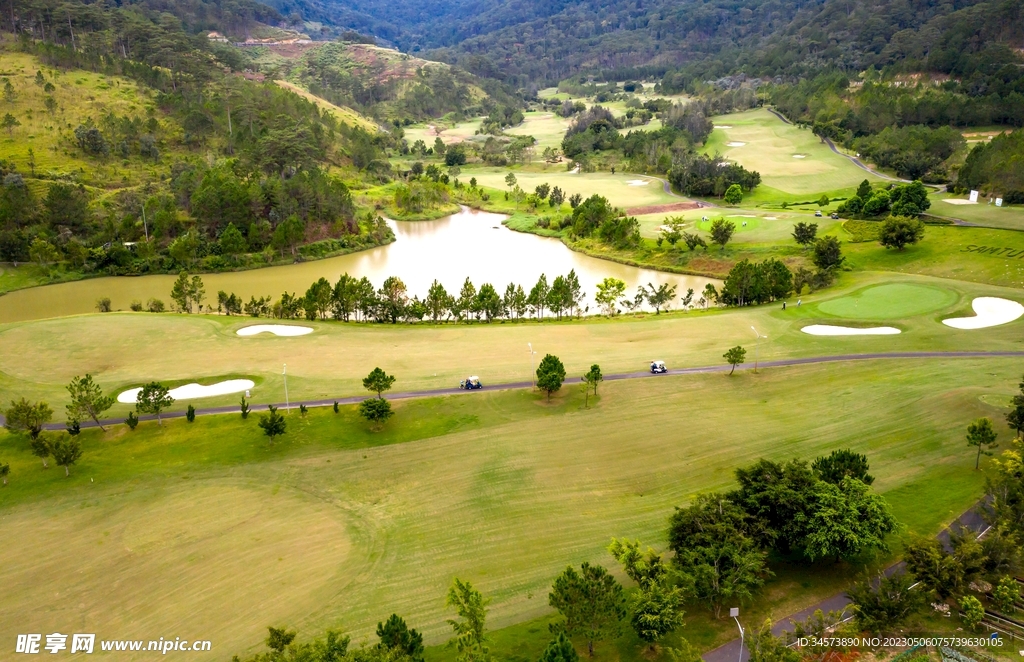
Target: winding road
[427,393]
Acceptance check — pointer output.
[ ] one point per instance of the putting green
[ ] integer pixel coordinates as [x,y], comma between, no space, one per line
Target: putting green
[892,301]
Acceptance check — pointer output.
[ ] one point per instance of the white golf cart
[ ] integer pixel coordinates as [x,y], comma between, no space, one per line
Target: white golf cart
[470,383]
[658,367]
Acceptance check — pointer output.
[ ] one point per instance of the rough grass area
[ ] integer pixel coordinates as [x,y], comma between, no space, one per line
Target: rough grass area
[334,526]
[770,148]
[614,187]
[547,129]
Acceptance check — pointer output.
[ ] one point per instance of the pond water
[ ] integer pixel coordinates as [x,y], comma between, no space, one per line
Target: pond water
[471,243]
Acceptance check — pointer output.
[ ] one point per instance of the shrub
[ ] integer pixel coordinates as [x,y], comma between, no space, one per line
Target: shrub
[136,306]
[971,611]
[103,305]
[132,420]
[190,414]
[155,306]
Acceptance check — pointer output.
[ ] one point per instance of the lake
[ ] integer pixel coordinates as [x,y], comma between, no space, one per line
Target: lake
[471,243]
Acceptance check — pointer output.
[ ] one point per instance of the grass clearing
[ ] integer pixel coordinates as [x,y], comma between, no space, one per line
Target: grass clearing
[547,129]
[337,527]
[614,187]
[984,214]
[888,302]
[763,227]
[769,148]
[449,135]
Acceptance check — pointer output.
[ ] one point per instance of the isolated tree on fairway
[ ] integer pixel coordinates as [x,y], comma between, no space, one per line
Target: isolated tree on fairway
[87,400]
[66,451]
[27,417]
[659,296]
[805,234]
[840,464]
[593,377]
[378,381]
[981,434]
[395,635]
[899,231]
[42,448]
[735,356]
[377,411]
[273,424]
[591,601]
[560,649]
[471,611]
[550,374]
[828,254]
[721,231]
[153,399]
[5,471]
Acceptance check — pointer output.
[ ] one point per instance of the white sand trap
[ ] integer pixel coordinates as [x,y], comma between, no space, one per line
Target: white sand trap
[741,216]
[276,329]
[722,126]
[192,391]
[637,182]
[830,330]
[990,311]
[735,144]
[771,218]
[958,201]
[799,156]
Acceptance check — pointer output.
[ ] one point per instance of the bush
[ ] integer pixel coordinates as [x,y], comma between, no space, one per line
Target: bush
[155,306]
[103,305]
[190,414]
[136,306]
[861,231]
[132,421]
[971,611]
[899,231]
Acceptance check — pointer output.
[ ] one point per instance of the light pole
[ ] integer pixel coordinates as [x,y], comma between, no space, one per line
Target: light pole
[287,406]
[735,613]
[757,344]
[533,363]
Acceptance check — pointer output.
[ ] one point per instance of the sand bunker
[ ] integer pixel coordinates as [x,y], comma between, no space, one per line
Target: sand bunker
[276,329]
[771,218]
[989,311]
[959,201]
[799,156]
[735,144]
[722,126]
[637,182]
[830,330]
[192,391]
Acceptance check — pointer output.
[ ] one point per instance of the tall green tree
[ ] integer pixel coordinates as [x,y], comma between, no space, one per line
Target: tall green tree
[550,374]
[470,622]
[847,519]
[27,417]
[735,356]
[591,601]
[981,435]
[42,448]
[609,291]
[87,400]
[560,649]
[376,410]
[378,381]
[154,398]
[395,635]
[593,377]
[805,234]
[722,231]
[828,254]
[900,231]
[273,424]
[840,464]
[658,297]
[656,607]
[66,452]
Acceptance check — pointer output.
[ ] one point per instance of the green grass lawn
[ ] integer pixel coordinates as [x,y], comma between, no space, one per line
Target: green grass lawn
[547,129]
[889,302]
[449,133]
[762,227]
[771,147]
[615,187]
[158,529]
[988,215]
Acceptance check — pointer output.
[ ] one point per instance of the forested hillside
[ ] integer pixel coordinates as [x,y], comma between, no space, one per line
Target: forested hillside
[133,146]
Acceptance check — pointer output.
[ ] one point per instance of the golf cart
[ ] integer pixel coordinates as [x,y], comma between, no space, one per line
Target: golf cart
[817,214]
[470,383]
[834,216]
[658,367]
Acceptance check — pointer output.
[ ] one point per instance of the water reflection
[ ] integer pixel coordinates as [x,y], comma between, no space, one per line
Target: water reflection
[470,244]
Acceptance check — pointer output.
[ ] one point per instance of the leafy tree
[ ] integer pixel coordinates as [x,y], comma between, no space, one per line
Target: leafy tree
[940,572]
[153,399]
[132,421]
[378,381]
[864,190]
[840,464]
[87,400]
[468,628]
[103,305]
[5,471]
[658,297]
[656,607]
[9,123]
[722,231]
[734,195]
[510,181]
[735,356]
[488,302]
[66,452]
[823,201]
[190,414]
[591,601]
[1007,594]
[884,602]
[910,199]
[438,301]
[804,233]
[847,519]
[559,649]
[828,254]
[972,610]
[693,240]
[376,410]
[27,417]
[593,377]
[393,299]
[41,448]
[231,241]
[766,647]
[778,498]
[279,638]
[43,252]
[394,634]
[550,374]
[982,435]
[755,283]
[899,231]
[712,547]
[244,408]
[273,424]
